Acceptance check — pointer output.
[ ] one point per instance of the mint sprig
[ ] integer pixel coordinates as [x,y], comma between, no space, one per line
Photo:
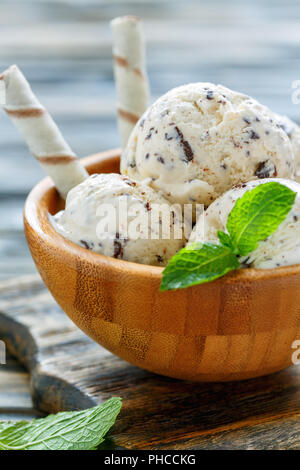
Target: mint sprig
[191,266]
[75,430]
[255,216]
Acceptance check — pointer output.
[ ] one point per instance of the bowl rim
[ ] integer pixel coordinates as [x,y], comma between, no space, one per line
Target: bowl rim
[34,215]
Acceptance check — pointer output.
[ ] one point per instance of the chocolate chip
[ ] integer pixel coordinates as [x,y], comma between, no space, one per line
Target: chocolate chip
[288,131]
[253,135]
[224,166]
[118,249]
[130,183]
[266,169]
[167,137]
[236,144]
[295,218]
[149,135]
[147,205]
[147,156]
[85,244]
[160,159]
[159,259]
[132,164]
[210,95]
[246,120]
[189,154]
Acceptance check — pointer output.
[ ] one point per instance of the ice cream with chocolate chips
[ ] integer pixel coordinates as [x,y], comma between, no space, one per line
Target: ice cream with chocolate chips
[292,130]
[199,140]
[139,239]
[281,248]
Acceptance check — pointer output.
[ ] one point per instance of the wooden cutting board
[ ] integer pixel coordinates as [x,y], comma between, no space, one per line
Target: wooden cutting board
[69,371]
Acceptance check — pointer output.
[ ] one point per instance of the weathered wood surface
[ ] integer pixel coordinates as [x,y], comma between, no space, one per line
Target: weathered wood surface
[69,371]
[15,398]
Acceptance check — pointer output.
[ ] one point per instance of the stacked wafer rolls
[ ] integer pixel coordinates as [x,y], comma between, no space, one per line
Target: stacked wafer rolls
[130,73]
[41,133]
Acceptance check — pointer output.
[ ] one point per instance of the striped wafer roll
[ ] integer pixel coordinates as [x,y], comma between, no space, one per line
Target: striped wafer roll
[130,73]
[41,133]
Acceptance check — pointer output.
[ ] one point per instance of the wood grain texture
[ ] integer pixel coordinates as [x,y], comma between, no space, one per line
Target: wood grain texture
[70,371]
[13,376]
[238,327]
[15,398]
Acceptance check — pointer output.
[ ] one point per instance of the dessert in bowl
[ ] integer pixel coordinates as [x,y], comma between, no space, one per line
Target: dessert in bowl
[237,327]
[198,144]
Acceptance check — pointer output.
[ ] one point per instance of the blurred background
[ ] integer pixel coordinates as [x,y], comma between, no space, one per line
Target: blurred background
[64,49]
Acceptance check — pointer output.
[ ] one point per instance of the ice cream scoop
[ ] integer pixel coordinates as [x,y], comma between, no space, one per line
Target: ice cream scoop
[281,248]
[199,140]
[292,130]
[118,217]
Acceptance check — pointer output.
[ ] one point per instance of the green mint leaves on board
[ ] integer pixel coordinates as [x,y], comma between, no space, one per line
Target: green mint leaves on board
[75,430]
[254,217]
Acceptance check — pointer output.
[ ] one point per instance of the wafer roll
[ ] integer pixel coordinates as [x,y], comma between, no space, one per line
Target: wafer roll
[130,73]
[41,133]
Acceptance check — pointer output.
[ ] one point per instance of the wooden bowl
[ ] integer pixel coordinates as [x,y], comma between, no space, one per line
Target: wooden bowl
[237,327]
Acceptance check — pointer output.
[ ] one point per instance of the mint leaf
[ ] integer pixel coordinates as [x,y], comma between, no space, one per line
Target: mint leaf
[257,214]
[75,430]
[6,427]
[197,264]
[225,240]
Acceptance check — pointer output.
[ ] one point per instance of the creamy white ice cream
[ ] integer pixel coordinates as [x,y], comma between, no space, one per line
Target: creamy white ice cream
[292,130]
[95,218]
[281,248]
[199,140]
